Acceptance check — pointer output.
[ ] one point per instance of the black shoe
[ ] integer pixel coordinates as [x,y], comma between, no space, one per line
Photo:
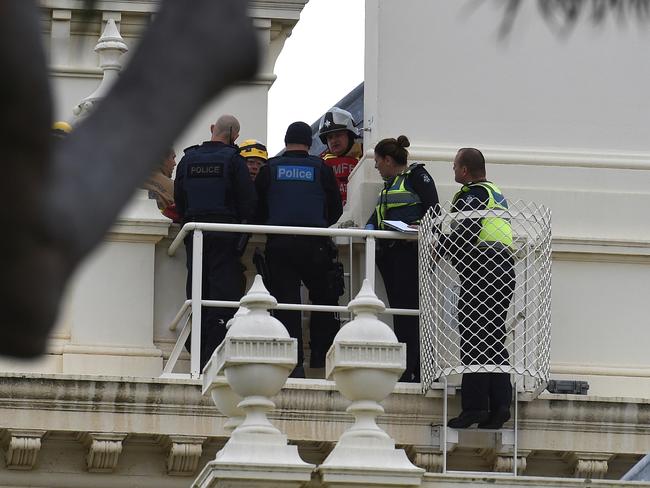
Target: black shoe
[469,418]
[298,372]
[496,420]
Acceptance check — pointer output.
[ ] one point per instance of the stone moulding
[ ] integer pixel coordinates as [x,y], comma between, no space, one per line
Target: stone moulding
[350,354]
[22,447]
[104,450]
[238,350]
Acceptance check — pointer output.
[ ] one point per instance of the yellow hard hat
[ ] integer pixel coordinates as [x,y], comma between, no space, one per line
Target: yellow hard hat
[251,148]
[62,126]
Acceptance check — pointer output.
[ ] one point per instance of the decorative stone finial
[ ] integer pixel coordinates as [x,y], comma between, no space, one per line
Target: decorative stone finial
[240,311]
[110,48]
[366,360]
[366,301]
[218,388]
[256,357]
[258,297]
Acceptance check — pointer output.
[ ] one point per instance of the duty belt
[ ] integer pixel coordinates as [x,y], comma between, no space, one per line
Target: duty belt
[497,246]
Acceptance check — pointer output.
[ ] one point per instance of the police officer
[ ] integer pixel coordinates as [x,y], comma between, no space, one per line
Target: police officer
[481,252]
[409,192]
[296,189]
[213,185]
[338,132]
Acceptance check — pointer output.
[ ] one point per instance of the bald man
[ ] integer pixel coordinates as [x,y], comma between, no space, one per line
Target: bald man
[213,185]
[481,250]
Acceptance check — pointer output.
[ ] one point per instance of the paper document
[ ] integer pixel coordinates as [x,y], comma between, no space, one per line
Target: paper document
[400,226]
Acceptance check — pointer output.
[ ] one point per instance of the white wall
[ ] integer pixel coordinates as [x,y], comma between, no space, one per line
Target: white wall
[444,76]
[562,121]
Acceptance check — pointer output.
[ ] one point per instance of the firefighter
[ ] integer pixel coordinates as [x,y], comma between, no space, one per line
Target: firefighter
[296,189]
[255,154]
[480,249]
[338,132]
[409,192]
[213,185]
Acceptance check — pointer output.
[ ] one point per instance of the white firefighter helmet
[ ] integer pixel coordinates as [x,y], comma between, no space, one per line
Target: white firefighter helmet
[334,120]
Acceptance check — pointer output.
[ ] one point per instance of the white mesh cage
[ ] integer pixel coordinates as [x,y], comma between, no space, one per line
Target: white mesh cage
[485,299]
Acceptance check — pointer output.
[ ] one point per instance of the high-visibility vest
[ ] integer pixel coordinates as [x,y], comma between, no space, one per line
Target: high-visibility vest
[398,202]
[493,229]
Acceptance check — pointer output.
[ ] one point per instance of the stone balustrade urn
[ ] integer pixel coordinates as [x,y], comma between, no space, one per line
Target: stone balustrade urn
[217,387]
[256,356]
[366,361]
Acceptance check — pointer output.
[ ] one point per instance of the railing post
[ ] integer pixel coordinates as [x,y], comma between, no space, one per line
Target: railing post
[197,275]
[370,261]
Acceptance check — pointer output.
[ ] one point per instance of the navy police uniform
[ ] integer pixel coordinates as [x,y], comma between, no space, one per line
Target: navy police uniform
[406,197]
[296,189]
[480,249]
[213,185]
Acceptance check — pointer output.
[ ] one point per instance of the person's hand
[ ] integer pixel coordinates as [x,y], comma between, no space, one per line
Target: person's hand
[347,224]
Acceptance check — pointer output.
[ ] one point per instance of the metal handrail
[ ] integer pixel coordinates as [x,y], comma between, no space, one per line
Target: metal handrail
[285,230]
[197,301]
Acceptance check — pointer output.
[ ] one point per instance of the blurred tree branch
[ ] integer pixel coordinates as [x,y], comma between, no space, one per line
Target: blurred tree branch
[562,15]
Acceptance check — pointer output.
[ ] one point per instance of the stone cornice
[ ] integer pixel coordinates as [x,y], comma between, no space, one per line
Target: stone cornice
[284,9]
[409,414]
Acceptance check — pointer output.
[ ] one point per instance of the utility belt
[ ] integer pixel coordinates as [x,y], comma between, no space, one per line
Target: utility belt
[495,246]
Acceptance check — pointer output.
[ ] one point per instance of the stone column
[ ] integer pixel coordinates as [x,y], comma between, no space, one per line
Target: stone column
[366,361]
[257,357]
[112,296]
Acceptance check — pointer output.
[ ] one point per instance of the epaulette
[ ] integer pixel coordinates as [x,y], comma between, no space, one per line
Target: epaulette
[191,148]
[327,156]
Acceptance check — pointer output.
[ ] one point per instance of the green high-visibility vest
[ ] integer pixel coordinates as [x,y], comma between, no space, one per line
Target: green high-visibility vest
[398,202]
[493,229]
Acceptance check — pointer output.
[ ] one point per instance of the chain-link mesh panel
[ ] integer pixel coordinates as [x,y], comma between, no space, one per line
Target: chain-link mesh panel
[485,291]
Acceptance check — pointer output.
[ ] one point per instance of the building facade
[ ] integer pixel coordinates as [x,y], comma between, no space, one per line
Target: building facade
[561,120]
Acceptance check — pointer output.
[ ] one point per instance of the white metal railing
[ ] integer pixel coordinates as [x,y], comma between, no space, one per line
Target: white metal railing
[486,307]
[193,321]
[506,308]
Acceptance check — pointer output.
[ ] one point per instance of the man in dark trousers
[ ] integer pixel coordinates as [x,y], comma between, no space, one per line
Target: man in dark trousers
[481,252]
[213,185]
[296,189]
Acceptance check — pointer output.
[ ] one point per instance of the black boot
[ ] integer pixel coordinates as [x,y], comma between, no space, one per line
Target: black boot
[496,420]
[469,418]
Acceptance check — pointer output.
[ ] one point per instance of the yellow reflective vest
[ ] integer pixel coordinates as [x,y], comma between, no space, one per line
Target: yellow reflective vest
[493,229]
[398,202]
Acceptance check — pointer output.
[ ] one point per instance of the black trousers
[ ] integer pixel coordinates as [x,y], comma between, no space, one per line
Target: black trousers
[487,279]
[223,279]
[398,264]
[290,260]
